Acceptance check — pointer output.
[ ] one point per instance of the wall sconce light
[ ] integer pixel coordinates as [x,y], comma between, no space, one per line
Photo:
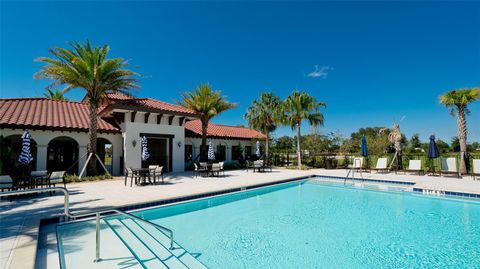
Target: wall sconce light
[134,142]
[179,143]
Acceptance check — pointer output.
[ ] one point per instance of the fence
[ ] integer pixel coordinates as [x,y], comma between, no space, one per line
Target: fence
[338,161]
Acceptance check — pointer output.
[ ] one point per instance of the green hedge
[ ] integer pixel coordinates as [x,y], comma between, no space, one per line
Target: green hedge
[74,178]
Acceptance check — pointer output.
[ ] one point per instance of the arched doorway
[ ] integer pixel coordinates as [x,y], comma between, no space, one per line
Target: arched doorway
[63,155]
[10,148]
[105,152]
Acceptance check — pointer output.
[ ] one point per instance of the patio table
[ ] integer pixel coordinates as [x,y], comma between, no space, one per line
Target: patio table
[143,174]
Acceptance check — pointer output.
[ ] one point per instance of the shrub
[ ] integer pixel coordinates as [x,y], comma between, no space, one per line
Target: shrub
[74,178]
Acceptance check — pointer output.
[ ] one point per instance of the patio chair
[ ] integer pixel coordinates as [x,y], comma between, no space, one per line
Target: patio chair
[57,177]
[476,168]
[39,178]
[449,166]
[199,170]
[6,183]
[381,165]
[158,172]
[414,166]
[216,168]
[257,165]
[133,177]
[221,168]
[357,163]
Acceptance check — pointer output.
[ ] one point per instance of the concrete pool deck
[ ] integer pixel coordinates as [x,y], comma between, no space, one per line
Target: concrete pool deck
[20,219]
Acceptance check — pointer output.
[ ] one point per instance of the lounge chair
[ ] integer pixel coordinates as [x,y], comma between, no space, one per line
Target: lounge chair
[6,183]
[414,166]
[257,165]
[449,167]
[357,163]
[199,170]
[381,165]
[476,168]
[221,168]
[57,177]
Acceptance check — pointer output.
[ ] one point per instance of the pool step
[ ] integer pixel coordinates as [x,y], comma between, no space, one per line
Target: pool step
[150,246]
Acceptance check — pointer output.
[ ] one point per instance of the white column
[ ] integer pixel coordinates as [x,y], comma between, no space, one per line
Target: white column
[42,156]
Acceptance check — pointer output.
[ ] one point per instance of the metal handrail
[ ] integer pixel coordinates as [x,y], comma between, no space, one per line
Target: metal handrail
[66,209]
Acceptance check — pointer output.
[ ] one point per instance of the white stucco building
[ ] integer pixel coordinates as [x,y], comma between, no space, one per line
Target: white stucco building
[60,134]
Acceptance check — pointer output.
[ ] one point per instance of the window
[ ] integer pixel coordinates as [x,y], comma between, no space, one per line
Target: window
[237,153]
[188,153]
[220,155]
[248,152]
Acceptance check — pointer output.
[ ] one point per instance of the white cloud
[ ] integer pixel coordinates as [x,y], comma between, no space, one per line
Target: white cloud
[319,72]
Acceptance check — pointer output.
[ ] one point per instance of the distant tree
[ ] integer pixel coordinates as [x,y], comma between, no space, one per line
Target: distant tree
[264,115]
[458,101]
[455,144]
[443,146]
[414,144]
[209,103]
[284,143]
[55,95]
[300,106]
[377,141]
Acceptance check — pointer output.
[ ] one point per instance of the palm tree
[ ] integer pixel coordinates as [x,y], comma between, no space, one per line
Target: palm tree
[457,101]
[300,106]
[87,67]
[55,95]
[263,115]
[208,103]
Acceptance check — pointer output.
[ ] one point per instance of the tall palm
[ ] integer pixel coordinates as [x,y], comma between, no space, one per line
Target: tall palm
[263,115]
[87,67]
[457,101]
[300,106]
[55,95]
[208,103]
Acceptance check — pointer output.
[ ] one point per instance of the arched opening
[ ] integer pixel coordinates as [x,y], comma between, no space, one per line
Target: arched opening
[11,146]
[63,155]
[105,152]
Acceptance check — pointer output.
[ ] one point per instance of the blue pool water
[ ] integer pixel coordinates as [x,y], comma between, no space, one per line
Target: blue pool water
[318,225]
[313,224]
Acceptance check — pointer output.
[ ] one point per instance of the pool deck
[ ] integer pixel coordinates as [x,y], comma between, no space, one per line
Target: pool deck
[19,219]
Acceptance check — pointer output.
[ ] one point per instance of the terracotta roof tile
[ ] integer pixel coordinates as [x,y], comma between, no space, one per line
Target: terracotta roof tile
[157,105]
[48,114]
[223,131]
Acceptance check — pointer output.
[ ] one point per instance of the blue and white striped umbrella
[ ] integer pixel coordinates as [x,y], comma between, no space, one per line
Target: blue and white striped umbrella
[145,154]
[25,156]
[211,153]
[257,151]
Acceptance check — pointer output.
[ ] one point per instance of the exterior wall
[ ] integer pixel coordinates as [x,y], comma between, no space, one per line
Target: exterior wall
[131,131]
[42,138]
[196,142]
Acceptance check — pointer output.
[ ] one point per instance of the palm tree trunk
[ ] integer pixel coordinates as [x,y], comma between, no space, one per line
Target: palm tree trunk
[299,151]
[462,136]
[266,160]
[203,147]
[92,142]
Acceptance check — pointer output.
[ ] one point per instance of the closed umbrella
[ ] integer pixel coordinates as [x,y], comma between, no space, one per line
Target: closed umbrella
[25,155]
[257,150]
[211,153]
[364,147]
[432,152]
[145,154]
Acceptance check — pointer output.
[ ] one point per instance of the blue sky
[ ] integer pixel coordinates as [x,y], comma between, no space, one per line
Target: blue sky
[375,61]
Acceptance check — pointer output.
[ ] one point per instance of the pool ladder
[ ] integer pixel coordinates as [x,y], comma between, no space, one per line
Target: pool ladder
[68,214]
[357,165]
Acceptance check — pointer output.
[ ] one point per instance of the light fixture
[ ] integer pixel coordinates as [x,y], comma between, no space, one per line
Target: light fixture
[134,142]
[179,143]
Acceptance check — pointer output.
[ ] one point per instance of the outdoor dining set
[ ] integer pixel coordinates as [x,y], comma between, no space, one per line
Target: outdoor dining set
[144,176]
[36,179]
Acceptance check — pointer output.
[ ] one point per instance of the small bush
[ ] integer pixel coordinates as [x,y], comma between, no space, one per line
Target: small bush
[74,178]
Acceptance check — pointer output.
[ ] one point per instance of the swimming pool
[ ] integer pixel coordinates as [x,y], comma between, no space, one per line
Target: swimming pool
[307,224]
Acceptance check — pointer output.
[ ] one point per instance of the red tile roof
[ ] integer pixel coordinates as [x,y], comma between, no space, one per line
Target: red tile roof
[118,96]
[152,104]
[222,131]
[42,113]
